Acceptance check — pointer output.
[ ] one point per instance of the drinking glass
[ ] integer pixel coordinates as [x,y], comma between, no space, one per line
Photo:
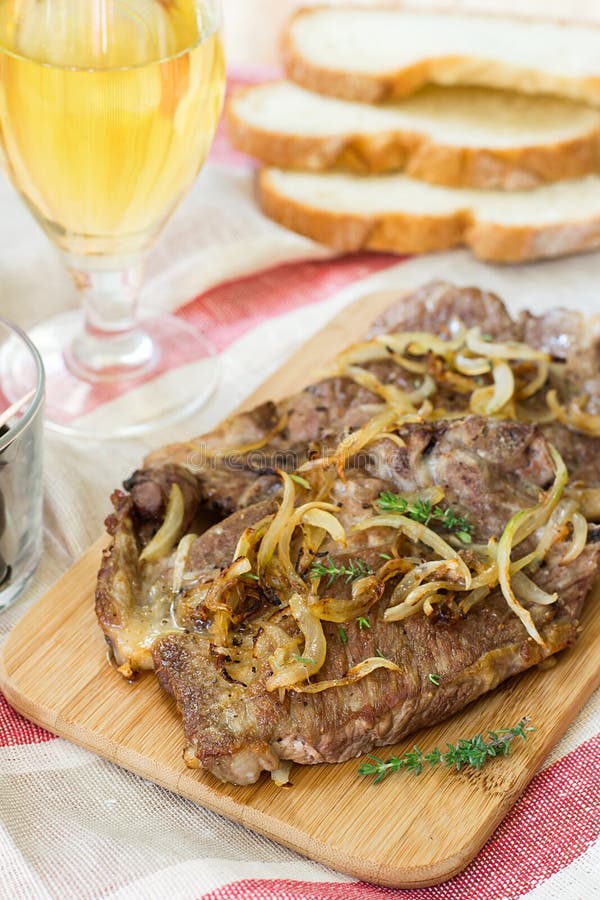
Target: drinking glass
[107,111]
[21,445]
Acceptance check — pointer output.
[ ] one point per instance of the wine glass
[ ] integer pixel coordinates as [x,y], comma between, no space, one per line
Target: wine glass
[107,111]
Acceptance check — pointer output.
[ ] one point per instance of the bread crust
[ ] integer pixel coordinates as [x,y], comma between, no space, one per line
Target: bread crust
[419,156]
[408,233]
[373,87]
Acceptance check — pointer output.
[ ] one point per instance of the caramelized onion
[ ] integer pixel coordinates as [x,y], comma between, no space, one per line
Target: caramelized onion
[471,365]
[376,427]
[393,395]
[519,527]
[532,519]
[365,593]
[273,636]
[358,354]
[588,500]
[313,654]
[554,529]
[320,518]
[505,546]
[180,561]
[251,536]
[315,514]
[273,533]
[530,591]
[420,343]
[439,569]
[489,401]
[164,540]
[580,533]
[573,416]
[537,382]
[417,598]
[244,448]
[216,599]
[501,349]
[473,597]
[393,567]
[224,581]
[352,675]
[418,532]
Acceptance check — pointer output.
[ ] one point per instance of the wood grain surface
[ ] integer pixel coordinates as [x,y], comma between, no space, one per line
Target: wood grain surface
[404,832]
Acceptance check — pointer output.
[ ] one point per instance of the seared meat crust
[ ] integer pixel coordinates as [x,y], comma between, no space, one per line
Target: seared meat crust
[487,468]
[318,416]
[124,586]
[236,732]
[313,421]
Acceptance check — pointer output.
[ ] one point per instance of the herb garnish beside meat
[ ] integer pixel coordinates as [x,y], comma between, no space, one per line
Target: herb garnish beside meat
[423,511]
[473,752]
[350,571]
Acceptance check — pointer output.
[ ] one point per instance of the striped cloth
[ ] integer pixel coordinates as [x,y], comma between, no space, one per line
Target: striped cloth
[75,826]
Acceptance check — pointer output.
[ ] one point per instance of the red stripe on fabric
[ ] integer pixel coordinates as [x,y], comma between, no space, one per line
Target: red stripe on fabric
[555,821]
[240,75]
[16,731]
[176,353]
[224,154]
[228,311]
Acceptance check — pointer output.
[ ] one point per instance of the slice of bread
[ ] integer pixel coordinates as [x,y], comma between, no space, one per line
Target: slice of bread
[460,137]
[397,213]
[372,53]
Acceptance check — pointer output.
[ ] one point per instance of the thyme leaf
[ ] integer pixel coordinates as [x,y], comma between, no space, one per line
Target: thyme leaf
[343,635]
[305,660]
[351,571]
[473,752]
[422,511]
[300,480]
[435,679]
[363,622]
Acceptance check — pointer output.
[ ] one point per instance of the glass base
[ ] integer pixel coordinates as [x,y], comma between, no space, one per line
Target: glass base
[176,379]
[14,583]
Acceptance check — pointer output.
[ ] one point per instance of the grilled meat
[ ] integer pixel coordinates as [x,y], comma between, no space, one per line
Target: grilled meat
[238,728]
[283,435]
[212,472]
[217,634]
[237,731]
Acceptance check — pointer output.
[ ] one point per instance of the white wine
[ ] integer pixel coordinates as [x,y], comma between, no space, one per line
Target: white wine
[107,111]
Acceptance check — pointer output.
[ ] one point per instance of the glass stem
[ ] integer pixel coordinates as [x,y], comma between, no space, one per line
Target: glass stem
[112,343]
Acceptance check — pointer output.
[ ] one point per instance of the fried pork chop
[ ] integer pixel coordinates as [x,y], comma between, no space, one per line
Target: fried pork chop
[232,630]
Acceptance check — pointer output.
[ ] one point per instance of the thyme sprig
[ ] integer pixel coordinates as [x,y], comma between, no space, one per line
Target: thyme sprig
[474,752]
[351,571]
[423,511]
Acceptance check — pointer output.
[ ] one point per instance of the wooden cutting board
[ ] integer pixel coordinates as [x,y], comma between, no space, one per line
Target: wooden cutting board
[404,832]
